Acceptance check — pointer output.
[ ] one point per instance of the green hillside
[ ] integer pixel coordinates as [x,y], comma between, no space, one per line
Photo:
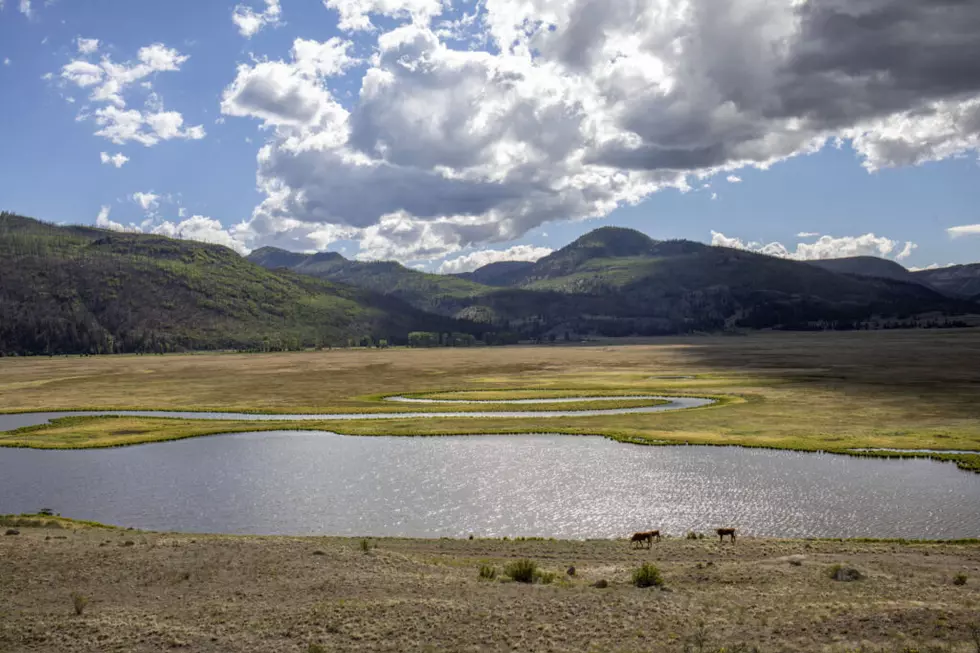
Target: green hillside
[81,289]
[431,292]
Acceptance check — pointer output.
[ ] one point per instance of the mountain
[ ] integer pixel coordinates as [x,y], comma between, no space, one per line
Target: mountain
[868,266]
[445,294]
[615,281]
[501,273]
[955,280]
[82,289]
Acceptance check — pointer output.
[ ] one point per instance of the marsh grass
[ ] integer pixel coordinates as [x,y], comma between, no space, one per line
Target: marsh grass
[487,572]
[521,571]
[900,389]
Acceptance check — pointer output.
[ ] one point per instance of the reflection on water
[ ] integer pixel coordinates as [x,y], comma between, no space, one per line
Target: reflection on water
[534,485]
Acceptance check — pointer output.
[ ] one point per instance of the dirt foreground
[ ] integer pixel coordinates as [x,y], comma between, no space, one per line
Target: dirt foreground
[139,591]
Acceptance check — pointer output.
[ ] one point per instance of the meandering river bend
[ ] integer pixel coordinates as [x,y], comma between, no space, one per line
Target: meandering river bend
[315,482]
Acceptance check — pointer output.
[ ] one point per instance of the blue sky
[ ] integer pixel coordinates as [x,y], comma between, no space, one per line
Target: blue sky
[448,135]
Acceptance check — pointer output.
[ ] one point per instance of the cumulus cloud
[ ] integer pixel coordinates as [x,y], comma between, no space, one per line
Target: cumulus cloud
[733,179]
[25,8]
[475,260]
[148,201]
[355,14]
[964,230]
[825,247]
[931,266]
[573,108]
[118,159]
[201,228]
[808,234]
[196,227]
[103,222]
[249,22]
[143,127]
[109,80]
[87,46]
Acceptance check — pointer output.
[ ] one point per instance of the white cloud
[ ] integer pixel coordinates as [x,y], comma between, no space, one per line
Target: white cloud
[87,46]
[714,196]
[103,222]
[964,230]
[355,14]
[932,266]
[25,8]
[201,228]
[291,94]
[148,200]
[6,61]
[474,260]
[732,179]
[119,159]
[144,127]
[110,79]
[825,247]
[807,234]
[565,110]
[250,22]
[197,227]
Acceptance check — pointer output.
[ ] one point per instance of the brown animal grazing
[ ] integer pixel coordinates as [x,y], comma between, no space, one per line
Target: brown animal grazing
[722,532]
[645,536]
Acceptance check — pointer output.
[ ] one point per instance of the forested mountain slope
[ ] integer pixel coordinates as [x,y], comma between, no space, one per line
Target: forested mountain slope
[81,289]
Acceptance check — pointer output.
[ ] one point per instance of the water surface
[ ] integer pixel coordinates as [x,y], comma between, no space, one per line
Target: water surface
[11,421]
[284,482]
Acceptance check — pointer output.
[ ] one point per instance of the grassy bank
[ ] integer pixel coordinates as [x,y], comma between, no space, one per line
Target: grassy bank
[808,392]
[144,591]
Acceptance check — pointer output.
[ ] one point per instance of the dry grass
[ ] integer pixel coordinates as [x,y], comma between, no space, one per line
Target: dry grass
[226,593]
[826,391]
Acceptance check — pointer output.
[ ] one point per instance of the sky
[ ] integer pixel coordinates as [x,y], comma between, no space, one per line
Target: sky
[448,134]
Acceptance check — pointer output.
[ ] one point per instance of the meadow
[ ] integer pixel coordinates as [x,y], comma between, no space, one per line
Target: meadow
[901,389]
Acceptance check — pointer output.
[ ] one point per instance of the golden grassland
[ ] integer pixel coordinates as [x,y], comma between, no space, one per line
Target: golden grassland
[81,587]
[812,391]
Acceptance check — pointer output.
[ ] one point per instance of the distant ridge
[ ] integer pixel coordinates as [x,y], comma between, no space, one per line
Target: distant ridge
[615,281]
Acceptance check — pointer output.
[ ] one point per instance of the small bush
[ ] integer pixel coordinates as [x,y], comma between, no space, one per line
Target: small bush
[365,546]
[316,648]
[648,576]
[601,584]
[488,572]
[844,574]
[522,571]
[691,535]
[959,579]
[78,602]
[545,577]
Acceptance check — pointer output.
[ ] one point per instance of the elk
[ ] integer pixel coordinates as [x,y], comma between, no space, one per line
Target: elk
[645,536]
[722,532]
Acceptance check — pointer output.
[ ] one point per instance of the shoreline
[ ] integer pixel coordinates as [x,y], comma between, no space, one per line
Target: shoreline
[57,521]
[191,428]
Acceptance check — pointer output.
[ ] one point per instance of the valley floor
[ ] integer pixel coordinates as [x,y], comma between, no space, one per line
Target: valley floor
[900,389]
[143,591]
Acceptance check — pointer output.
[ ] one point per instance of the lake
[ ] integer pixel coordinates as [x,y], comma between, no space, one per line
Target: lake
[308,482]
